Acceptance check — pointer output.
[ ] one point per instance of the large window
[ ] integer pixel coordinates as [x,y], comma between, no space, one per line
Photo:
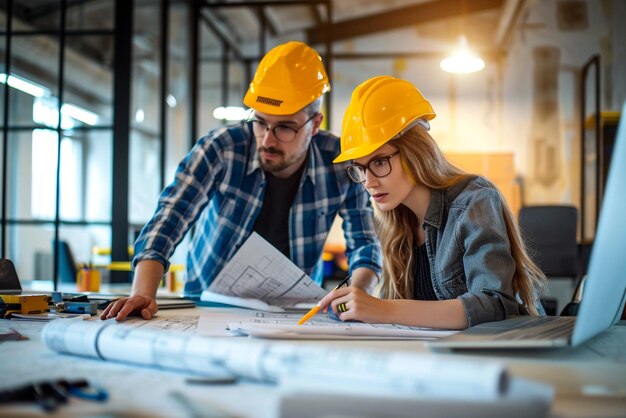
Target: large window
[56,99]
[44,167]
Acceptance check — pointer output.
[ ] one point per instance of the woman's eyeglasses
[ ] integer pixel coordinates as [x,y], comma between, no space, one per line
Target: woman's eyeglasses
[379,167]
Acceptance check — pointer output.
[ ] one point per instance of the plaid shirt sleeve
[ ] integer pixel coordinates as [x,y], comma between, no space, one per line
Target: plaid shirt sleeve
[181,202]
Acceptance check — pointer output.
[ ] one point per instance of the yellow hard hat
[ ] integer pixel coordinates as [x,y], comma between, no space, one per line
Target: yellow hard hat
[289,77]
[380,109]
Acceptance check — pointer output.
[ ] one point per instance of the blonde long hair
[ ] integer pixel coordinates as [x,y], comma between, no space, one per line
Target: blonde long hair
[425,164]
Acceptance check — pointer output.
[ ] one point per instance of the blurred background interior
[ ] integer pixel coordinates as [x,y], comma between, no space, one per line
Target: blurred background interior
[100,99]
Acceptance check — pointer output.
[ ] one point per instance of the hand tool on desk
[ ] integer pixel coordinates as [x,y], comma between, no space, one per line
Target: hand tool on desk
[52,394]
[23,304]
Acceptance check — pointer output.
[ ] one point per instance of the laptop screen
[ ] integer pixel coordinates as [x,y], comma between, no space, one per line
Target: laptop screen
[603,296]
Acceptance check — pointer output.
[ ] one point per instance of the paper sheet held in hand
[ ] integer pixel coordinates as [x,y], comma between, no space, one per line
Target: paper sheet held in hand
[260,277]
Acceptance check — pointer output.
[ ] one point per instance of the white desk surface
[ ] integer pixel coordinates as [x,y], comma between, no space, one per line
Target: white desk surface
[590,380]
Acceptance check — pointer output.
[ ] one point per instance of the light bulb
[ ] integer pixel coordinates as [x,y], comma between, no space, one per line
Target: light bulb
[462,60]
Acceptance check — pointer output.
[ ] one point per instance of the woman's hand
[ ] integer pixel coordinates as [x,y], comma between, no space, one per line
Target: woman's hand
[360,306]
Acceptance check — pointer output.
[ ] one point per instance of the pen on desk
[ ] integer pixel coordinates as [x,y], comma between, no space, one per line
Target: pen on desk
[316,308]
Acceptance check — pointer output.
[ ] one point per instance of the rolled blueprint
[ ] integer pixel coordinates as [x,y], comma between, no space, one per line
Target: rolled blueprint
[387,372]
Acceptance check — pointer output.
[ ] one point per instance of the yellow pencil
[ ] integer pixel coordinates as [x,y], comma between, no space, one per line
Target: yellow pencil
[317,307]
[309,314]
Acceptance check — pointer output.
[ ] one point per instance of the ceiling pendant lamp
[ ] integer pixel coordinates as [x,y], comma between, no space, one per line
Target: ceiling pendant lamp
[462,60]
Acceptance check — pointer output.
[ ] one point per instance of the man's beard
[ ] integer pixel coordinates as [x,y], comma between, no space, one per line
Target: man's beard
[272,166]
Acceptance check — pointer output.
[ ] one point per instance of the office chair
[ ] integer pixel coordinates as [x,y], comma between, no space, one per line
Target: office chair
[67,264]
[550,237]
[9,282]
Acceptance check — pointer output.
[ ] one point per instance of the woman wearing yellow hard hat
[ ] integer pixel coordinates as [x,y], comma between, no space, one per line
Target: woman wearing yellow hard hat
[452,253]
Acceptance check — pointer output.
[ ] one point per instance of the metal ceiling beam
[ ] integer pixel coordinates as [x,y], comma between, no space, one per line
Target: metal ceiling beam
[47,9]
[264,3]
[269,22]
[394,19]
[510,15]
[317,15]
[490,54]
[233,44]
[221,20]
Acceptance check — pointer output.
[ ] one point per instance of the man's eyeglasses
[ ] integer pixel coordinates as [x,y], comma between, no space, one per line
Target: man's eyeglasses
[379,167]
[283,133]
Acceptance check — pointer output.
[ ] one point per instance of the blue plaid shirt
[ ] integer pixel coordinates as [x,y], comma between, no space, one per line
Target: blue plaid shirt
[219,188]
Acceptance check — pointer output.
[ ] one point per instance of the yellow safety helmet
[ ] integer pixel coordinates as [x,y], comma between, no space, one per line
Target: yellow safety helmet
[289,77]
[380,109]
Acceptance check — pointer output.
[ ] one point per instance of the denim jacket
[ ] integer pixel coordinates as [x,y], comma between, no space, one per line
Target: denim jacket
[469,250]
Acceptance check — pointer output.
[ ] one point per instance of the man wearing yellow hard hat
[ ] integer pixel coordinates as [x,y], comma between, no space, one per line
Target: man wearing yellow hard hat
[273,174]
[453,256]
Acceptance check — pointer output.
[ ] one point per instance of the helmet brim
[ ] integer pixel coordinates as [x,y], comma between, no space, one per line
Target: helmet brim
[354,153]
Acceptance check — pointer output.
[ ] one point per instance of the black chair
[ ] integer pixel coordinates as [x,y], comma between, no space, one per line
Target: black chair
[9,282]
[550,236]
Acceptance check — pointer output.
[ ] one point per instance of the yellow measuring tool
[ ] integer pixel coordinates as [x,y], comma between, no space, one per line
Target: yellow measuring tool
[24,304]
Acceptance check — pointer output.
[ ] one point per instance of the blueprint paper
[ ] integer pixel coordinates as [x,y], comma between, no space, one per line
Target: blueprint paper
[260,271]
[289,329]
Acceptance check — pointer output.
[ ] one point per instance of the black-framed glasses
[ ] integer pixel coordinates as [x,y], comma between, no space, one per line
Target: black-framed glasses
[379,167]
[283,133]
